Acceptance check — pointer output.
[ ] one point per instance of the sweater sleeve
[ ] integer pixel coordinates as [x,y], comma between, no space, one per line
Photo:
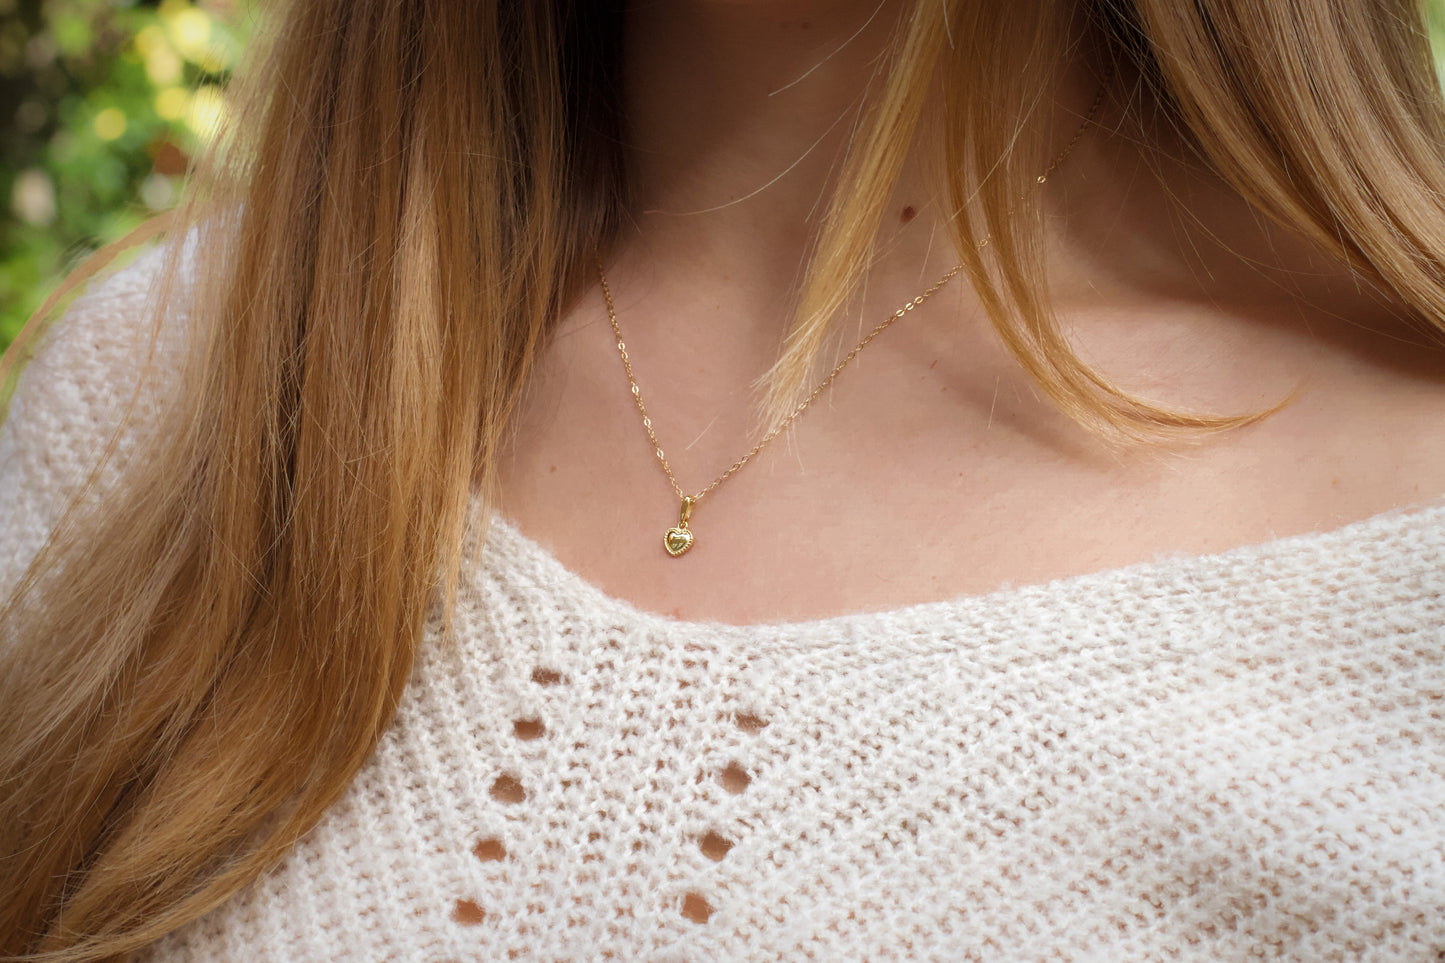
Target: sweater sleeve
[92,379]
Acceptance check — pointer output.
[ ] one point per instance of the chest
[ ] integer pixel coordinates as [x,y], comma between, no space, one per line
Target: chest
[934,469]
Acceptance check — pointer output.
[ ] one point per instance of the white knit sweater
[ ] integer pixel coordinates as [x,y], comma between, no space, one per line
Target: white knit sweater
[1229,757]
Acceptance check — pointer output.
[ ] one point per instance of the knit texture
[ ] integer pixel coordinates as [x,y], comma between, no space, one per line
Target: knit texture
[1235,756]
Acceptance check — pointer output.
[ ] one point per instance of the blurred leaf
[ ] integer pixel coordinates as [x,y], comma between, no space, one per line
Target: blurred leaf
[105,116]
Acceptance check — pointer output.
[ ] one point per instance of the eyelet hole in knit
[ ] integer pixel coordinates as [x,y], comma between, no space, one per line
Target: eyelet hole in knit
[695,908]
[528,729]
[546,677]
[748,722]
[468,913]
[490,851]
[506,789]
[734,778]
[714,847]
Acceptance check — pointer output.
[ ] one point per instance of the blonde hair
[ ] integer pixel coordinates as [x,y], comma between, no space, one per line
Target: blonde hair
[411,194]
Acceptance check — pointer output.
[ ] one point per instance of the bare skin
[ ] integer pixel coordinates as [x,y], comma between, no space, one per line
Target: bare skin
[933,468]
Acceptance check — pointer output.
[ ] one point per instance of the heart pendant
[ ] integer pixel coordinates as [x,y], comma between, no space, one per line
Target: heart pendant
[677,541]
[678,538]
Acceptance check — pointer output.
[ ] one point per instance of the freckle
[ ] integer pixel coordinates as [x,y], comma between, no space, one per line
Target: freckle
[909,213]
[553,468]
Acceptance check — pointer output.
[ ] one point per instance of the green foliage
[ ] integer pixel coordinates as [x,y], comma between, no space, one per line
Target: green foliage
[102,104]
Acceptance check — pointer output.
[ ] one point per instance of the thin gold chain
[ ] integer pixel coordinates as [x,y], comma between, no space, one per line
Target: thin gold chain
[822,386]
[1073,141]
[802,405]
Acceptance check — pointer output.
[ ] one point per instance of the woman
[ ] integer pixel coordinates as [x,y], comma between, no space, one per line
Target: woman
[387,632]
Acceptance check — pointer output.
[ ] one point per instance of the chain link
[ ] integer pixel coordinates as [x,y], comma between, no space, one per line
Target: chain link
[822,385]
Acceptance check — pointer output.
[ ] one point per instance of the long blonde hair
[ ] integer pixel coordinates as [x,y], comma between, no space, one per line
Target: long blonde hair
[412,192]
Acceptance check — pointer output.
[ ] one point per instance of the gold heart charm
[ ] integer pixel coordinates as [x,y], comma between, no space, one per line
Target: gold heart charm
[677,541]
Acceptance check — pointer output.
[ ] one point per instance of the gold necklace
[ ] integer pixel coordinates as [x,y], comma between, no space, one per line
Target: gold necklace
[678,539]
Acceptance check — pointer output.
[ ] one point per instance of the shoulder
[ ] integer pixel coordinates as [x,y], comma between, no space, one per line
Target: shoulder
[89,397]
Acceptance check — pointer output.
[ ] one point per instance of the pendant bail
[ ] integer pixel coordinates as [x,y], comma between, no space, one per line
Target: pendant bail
[686,512]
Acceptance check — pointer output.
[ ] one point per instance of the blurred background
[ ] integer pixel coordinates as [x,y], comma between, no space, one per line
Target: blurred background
[102,104]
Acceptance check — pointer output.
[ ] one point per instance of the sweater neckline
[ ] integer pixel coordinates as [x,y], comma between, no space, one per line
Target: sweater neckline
[1315,553]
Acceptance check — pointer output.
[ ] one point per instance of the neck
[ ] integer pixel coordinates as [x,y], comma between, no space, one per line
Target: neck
[739,115]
